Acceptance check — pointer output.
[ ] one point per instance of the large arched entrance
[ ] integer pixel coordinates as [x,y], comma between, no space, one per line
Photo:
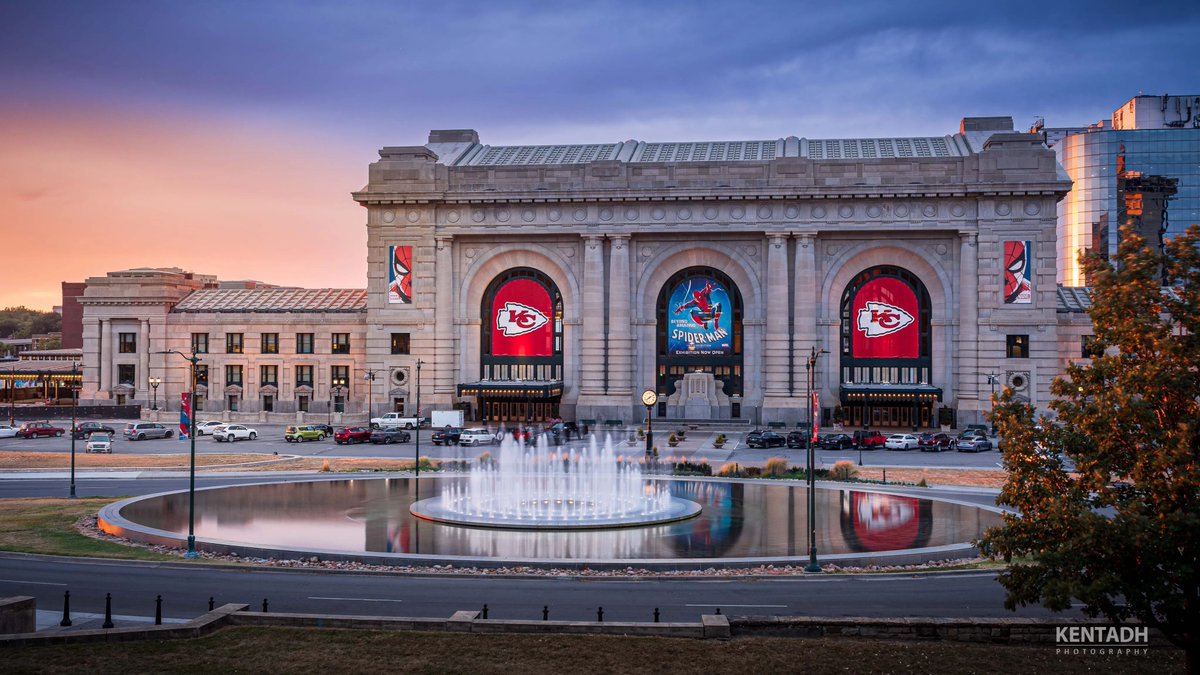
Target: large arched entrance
[521,355]
[699,330]
[886,350]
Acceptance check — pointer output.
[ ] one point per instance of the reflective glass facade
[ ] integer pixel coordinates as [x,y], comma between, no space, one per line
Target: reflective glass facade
[1149,178]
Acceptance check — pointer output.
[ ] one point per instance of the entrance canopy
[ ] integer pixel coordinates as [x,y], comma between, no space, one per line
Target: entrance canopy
[889,394]
[517,389]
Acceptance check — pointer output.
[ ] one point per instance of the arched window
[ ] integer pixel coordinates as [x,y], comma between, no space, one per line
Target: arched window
[522,327]
[886,328]
[699,315]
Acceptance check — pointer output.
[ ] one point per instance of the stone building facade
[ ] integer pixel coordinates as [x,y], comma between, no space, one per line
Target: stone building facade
[535,282]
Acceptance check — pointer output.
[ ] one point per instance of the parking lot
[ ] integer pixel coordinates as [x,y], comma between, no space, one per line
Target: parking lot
[696,446]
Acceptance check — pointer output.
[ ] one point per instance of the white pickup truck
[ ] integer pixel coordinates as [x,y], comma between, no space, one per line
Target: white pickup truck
[395,419]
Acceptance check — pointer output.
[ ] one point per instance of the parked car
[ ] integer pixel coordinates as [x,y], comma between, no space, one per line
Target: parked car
[561,432]
[479,436]
[521,435]
[973,443]
[765,439]
[234,432]
[901,442]
[83,429]
[305,433]
[447,436]
[99,441]
[934,442]
[7,431]
[797,439]
[869,439]
[140,431]
[207,427]
[323,428]
[973,432]
[351,435]
[39,429]
[390,435]
[836,442]
[981,428]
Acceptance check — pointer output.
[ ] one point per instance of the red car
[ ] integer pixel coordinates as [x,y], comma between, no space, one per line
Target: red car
[933,442]
[35,429]
[869,439]
[352,435]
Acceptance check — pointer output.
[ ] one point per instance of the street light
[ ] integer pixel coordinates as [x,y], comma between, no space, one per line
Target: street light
[993,379]
[74,423]
[649,398]
[191,540]
[369,376]
[12,396]
[154,382]
[334,390]
[810,366]
[417,464]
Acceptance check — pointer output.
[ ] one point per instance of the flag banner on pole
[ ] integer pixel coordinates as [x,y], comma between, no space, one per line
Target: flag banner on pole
[185,415]
[816,421]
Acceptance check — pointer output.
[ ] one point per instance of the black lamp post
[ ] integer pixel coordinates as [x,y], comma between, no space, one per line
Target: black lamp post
[417,431]
[812,484]
[993,378]
[369,376]
[191,540]
[12,396]
[154,382]
[649,398]
[74,423]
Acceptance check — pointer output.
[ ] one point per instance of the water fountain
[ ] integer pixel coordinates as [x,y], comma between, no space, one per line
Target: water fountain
[573,488]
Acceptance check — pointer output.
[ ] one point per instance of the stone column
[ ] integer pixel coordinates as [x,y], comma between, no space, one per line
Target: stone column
[106,366]
[591,367]
[968,322]
[804,333]
[443,318]
[775,339]
[143,347]
[620,330]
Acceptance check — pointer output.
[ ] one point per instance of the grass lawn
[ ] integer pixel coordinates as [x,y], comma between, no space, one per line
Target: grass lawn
[48,526]
[319,651]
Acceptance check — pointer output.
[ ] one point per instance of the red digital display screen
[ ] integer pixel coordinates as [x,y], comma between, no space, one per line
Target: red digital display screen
[522,320]
[885,321]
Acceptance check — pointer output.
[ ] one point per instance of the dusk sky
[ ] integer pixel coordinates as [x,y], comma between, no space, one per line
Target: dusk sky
[226,137]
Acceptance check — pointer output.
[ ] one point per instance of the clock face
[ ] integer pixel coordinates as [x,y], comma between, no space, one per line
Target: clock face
[649,397]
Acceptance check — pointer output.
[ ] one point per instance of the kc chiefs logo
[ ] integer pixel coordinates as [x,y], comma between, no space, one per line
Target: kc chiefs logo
[517,319]
[877,319]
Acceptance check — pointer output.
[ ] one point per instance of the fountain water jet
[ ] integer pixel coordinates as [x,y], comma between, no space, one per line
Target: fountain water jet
[577,488]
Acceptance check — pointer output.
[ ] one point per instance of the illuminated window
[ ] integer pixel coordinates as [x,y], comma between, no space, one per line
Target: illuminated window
[400,343]
[1018,346]
[233,343]
[340,343]
[270,343]
[127,343]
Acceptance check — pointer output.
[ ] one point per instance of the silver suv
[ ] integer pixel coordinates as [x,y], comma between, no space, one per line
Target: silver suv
[140,431]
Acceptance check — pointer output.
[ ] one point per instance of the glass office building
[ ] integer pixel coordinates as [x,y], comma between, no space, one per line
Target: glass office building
[1141,168]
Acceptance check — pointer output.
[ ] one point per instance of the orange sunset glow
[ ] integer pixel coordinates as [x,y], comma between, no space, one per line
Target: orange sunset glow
[88,191]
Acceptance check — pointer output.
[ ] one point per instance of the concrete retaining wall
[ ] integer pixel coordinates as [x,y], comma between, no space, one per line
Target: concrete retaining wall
[18,614]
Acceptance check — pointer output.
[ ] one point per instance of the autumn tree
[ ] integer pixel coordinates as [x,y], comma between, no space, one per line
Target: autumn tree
[1121,533]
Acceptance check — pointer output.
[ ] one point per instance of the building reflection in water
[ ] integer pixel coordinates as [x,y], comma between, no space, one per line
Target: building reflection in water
[738,520]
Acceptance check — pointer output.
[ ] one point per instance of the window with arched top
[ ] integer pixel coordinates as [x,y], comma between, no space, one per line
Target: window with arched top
[699,329]
[522,327]
[886,335]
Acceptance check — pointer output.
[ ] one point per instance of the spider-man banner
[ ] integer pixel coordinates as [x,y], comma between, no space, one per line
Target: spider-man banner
[699,319]
[1018,273]
[185,415]
[400,275]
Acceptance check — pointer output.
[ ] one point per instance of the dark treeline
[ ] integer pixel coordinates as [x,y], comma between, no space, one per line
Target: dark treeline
[22,322]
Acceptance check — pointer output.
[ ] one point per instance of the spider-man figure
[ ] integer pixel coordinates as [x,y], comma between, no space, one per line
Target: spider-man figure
[703,309]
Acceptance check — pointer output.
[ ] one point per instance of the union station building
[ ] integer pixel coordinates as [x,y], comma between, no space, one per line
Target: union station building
[894,282]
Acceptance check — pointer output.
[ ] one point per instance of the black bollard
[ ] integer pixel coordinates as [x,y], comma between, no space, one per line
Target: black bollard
[158,611]
[600,614]
[66,621]
[485,611]
[107,611]
[545,612]
[655,615]
[885,476]
[718,610]
[211,603]
[265,606]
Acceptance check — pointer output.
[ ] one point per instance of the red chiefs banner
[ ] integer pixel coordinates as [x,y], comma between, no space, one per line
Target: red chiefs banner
[522,320]
[885,321]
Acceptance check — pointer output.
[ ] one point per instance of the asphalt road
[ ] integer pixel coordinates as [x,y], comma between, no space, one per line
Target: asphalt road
[186,589]
[697,445]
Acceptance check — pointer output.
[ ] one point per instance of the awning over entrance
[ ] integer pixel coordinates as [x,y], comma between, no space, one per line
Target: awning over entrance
[517,389]
[889,394]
